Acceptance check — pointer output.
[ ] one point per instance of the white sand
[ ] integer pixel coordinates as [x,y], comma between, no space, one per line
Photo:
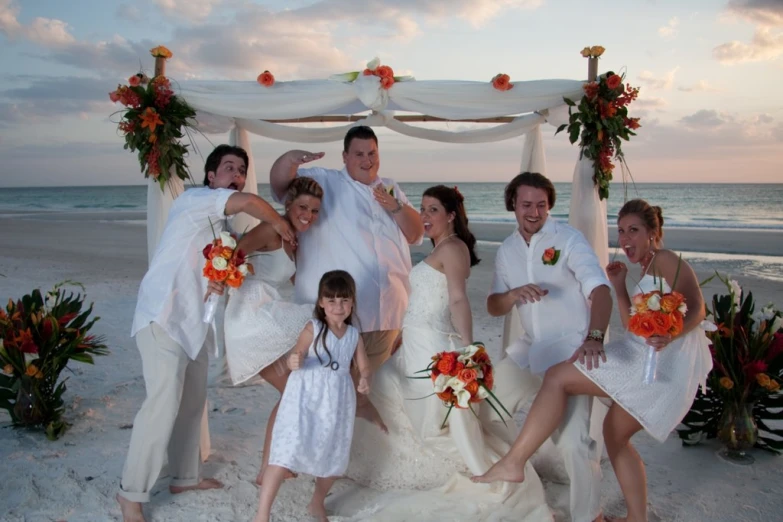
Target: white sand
[76,477]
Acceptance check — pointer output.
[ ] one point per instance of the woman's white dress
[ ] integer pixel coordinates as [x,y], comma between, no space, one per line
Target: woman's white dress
[416,454]
[259,325]
[681,367]
[314,424]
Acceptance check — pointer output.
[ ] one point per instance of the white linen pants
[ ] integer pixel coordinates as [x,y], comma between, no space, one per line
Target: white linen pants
[513,387]
[170,417]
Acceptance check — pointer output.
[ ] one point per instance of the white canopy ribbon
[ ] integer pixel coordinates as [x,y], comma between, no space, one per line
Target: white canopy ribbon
[588,212]
[370,92]
[240,138]
[158,205]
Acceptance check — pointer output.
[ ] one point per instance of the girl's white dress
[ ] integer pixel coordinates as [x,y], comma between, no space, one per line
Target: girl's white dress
[314,424]
[682,366]
[259,325]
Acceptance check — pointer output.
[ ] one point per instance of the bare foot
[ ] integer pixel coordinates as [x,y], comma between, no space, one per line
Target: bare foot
[318,512]
[131,511]
[207,483]
[369,413]
[503,470]
[288,475]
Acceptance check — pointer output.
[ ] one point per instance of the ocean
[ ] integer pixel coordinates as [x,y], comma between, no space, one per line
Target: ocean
[727,206]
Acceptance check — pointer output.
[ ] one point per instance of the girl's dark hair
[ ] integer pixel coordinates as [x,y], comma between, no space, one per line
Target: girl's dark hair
[453,201]
[216,156]
[337,283]
[651,216]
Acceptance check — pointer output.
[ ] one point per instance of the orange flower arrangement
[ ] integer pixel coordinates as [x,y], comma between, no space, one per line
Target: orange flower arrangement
[224,262]
[461,378]
[502,82]
[161,52]
[266,79]
[384,72]
[656,313]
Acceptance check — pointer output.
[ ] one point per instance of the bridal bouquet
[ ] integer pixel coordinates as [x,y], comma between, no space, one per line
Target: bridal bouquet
[224,263]
[656,313]
[463,377]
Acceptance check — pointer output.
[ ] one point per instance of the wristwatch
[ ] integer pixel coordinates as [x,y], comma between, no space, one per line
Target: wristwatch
[399,206]
[595,335]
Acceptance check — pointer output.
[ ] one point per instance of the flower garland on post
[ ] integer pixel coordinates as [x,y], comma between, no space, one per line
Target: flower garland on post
[601,121]
[153,121]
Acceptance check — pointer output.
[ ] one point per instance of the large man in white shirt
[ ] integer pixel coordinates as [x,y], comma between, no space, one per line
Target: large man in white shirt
[171,335]
[551,274]
[365,227]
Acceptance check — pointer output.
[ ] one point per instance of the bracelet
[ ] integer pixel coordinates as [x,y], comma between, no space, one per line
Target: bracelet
[595,335]
[399,206]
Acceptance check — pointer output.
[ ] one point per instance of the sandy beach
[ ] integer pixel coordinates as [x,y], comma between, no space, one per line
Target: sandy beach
[75,478]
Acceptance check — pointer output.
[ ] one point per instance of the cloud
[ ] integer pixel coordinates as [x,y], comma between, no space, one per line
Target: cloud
[764,119]
[703,118]
[669,30]
[767,42]
[129,12]
[665,83]
[765,45]
[777,132]
[191,10]
[46,98]
[700,86]
[650,103]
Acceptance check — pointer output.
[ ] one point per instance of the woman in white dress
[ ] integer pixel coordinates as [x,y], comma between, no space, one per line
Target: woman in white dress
[417,454]
[260,327]
[683,363]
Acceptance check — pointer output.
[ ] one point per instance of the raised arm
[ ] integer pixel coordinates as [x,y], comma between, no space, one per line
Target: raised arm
[260,209]
[406,217]
[284,169]
[503,298]
[261,237]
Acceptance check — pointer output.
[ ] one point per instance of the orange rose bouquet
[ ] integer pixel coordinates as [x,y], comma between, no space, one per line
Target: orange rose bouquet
[656,313]
[225,263]
[462,378]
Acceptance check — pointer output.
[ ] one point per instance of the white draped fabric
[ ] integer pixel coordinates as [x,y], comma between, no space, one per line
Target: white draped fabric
[588,213]
[158,206]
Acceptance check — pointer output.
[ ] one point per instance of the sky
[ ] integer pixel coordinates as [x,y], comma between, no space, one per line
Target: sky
[710,73]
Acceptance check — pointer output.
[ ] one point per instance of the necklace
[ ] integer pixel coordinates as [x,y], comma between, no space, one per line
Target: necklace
[442,241]
[646,261]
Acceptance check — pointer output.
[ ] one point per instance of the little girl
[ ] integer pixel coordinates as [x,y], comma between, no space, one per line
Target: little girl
[314,426]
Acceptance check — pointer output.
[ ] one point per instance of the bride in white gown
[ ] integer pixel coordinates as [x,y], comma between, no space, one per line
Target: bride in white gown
[417,454]
[260,327]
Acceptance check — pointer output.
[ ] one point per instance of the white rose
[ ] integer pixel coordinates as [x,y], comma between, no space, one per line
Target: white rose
[227,240]
[218,263]
[463,398]
[441,383]
[374,63]
[455,384]
[243,269]
[777,324]
[682,308]
[736,291]
[654,302]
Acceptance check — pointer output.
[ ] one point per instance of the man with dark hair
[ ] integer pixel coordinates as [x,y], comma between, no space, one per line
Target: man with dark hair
[550,273]
[365,228]
[170,333]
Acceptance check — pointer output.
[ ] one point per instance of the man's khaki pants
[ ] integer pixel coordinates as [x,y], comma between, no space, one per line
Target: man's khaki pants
[169,420]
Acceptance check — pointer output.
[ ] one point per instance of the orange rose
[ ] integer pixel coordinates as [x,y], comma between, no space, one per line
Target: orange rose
[458,368]
[213,274]
[473,387]
[447,396]
[727,383]
[640,303]
[234,278]
[489,378]
[549,255]
[384,71]
[763,380]
[773,385]
[134,80]
[446,362]
[367,72]
[677,321]
[467,375]
[662,322]
[266,79]
[669,303]
[642,325]
[614,81]
[31,370]
[502,82]
[161,52]
[386,81]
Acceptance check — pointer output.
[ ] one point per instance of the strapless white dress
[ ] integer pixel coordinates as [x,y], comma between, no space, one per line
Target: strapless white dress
[682,366]
[416,454]
[260,327]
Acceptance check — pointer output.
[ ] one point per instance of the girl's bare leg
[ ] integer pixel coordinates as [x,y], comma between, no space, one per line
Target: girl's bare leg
[619,427]
[275,374]
[560,382]
[273,478]
[316,507]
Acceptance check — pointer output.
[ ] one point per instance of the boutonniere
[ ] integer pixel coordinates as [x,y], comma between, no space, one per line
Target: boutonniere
[550,256]
[390,190]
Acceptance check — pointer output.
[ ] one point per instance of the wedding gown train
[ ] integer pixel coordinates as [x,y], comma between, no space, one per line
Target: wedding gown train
[424,469]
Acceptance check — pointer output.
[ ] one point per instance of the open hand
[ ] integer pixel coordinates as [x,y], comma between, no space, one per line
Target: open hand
[300,157]
[214,287]
[285,230]
[589,354]
[659,342]
[617,272]
[294,361]
[386,200]
[364,386]
[528,294]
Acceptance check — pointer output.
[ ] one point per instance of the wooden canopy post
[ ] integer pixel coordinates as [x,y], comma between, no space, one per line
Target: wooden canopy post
[592,68]
[160,66]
